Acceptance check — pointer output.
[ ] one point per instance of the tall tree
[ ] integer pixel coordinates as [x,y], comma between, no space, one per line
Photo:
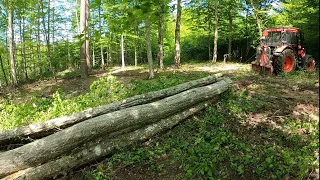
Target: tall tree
[160,34]
[84,53]
[148,41]
[215,48]
[87,9]
[122,52]
[101,46]
[11,43]
[177,35]
[257,17]
[3,71]
[38,39]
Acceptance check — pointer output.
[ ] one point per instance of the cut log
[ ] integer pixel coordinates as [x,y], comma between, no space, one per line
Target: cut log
[102,147]
[42,129]
[64,141]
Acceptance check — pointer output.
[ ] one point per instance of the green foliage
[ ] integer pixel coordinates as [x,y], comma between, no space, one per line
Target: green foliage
[36,109]
[162,81]
[207,147]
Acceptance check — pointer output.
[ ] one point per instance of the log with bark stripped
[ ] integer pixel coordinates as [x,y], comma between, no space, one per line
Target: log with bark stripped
[42,129]
[55,145]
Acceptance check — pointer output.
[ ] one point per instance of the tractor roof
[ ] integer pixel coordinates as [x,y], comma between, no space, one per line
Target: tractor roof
[280,29]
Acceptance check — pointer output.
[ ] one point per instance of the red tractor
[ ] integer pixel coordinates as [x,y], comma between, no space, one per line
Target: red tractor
[281,50]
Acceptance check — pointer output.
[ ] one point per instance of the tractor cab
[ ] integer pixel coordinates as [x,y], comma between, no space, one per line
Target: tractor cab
[274,37]
[281,50]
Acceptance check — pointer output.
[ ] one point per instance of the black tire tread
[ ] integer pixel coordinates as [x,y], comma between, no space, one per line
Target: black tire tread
[278,61]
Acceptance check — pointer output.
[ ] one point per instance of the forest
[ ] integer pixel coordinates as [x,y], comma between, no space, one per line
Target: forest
[158,89]
[41,38]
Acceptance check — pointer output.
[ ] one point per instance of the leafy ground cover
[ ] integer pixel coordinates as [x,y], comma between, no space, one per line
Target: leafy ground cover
[263,128]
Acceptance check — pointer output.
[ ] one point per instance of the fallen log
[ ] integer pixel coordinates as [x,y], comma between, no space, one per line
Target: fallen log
[35,131]
[102,147]
[64,141]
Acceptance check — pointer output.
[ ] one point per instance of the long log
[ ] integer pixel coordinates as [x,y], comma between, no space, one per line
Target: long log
[52,146]
[102,147]
[42,129]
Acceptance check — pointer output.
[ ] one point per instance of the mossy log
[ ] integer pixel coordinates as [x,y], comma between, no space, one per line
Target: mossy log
[39,130]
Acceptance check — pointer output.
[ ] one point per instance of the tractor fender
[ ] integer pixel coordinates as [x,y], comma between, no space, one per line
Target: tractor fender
[279,50]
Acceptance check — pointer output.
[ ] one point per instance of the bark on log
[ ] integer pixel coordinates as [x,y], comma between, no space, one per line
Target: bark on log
[102,147]
[42,129]
[52,146]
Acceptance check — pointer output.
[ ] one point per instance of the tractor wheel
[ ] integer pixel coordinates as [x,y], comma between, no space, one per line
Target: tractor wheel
[285,62]
[309,64]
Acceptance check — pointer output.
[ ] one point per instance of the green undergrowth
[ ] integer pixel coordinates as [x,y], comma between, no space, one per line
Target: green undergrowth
[208,147]
[102,91]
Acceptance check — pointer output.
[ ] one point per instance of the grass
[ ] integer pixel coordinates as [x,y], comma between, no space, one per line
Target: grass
[208,147]
[104,90]
[251,133]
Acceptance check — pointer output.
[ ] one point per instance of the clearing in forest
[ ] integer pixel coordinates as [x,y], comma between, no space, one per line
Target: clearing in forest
[263,127]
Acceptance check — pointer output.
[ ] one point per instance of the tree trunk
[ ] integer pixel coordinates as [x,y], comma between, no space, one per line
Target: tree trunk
[48,38]
[93,56]
[83,30]
[43,128]
[39,41]
[215,50]
[11,44]
[110,50]
[160,36]
[87,12]
[101,46]
[135,52]
[3,71]
[177,35]
[122,53]
[257,17]
[53,24]
[105,146]
[230,35]
[209,39]
[149,52]
[62,142]
[77,17]
[102,55]
[24,49]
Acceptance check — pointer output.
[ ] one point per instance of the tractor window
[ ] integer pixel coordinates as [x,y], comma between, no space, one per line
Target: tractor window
[290,38]
[273,38]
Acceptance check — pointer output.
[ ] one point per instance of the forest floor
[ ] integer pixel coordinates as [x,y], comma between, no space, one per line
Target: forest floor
[264,128]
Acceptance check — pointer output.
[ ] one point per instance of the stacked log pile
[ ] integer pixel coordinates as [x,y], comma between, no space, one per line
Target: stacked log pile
[68,142]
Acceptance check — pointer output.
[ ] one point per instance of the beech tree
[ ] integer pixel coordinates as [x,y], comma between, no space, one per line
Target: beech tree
[84,50]
[215,48]
[11,43]
[161,9]
[177,35]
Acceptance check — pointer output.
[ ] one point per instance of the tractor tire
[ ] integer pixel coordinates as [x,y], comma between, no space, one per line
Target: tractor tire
[286,62]
[308,63]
